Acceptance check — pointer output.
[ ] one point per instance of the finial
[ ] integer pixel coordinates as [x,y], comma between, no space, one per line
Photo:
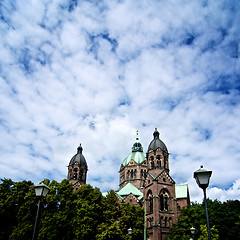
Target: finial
[80,149]
[156,133]
[137,138]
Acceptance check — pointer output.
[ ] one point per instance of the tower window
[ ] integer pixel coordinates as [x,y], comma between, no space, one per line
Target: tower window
[132,174]
[150,202]
[80,175]
[166,222]
[152,162]
[164,201]
[158,161]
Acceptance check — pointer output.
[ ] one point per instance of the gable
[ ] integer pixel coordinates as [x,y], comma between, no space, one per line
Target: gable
[164,177]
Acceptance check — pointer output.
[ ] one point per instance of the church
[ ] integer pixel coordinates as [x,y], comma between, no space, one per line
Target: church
[144,180]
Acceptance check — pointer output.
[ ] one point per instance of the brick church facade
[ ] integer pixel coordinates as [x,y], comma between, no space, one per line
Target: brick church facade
[145,180]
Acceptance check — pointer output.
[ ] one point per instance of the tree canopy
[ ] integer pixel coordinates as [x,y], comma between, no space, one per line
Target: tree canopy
[64,214]
[224,221]
[86,214]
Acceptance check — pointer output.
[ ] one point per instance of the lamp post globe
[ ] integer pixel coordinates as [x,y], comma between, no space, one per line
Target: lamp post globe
[130,232]
[41,190]
[192,229]
[202,177]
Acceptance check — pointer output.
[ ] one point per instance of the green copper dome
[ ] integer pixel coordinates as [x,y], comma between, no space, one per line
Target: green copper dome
[136,155]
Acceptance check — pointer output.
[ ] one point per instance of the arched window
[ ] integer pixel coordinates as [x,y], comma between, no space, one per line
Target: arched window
[158,161]
[80,175]
[165,222]
[150,202]
[164,201]
[132,174]
[127,174]
[152,162]
[170,222]
[75,173]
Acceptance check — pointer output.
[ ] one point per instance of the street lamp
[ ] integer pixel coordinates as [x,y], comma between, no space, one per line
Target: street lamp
[130,231]
[41,190]
[192,229]
[202,177]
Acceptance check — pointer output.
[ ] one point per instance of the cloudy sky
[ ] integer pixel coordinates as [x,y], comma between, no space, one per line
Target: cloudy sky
[94,72]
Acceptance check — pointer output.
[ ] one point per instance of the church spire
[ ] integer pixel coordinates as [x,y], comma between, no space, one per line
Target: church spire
[137,146]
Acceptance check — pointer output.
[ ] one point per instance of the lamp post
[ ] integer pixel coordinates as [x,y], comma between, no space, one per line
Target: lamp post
[202,177]
[192,229]
[130,231]
[41,190]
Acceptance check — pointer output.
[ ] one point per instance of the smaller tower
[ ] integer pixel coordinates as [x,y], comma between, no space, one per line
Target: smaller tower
[134,168]
[77,169]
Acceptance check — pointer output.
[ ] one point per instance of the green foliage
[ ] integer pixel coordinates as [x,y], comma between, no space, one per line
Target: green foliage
[64,214]
[13,196]
[204,233]
[118,218]
[223,218]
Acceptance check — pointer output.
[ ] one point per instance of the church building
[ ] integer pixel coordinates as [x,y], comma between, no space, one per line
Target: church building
[144,180]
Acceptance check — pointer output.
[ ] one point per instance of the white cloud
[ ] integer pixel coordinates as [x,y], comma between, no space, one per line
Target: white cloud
[101,71]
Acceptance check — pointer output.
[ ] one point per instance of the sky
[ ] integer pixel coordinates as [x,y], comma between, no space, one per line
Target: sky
[95,72]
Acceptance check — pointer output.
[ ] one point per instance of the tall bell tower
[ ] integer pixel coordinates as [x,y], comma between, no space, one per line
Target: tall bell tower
[77,169]
[159,191]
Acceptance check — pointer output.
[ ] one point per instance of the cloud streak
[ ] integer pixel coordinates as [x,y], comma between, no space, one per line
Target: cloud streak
[82,71]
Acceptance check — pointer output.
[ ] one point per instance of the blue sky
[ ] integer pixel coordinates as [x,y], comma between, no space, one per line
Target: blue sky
[94,72]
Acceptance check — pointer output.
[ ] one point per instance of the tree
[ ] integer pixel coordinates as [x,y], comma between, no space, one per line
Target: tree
[118,218]
[12,197]
[57,217]
[204,233]
[110,227]
[132,216]
[88,214]
[223,217]
[64,214]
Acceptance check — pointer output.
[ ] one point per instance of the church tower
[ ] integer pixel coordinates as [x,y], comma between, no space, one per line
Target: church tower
[145,180]
[77,169]
[159,191]
[134,167]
